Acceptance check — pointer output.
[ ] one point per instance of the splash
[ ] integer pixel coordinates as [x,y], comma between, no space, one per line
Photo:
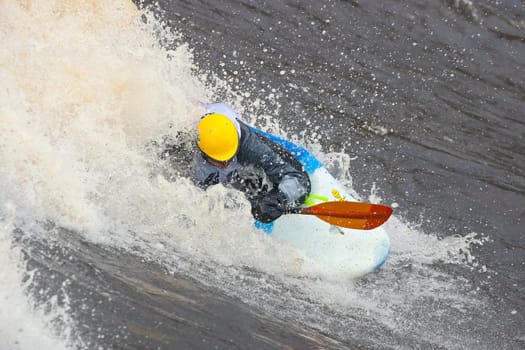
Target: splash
[23,323]
[85,87]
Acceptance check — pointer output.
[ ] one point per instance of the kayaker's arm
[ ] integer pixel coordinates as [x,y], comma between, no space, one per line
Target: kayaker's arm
[278,164]
[292,183]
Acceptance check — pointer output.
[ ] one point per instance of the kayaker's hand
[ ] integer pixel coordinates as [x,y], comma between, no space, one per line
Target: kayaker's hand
[270,206]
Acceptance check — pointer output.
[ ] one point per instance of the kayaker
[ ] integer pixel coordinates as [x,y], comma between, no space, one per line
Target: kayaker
[233,154]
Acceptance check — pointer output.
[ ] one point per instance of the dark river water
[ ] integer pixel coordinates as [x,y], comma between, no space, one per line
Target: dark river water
[426,102]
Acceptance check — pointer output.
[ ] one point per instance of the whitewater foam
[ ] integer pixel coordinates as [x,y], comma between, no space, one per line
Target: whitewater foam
[24,324]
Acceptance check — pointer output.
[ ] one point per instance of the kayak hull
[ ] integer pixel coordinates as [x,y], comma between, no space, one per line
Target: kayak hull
[350,252]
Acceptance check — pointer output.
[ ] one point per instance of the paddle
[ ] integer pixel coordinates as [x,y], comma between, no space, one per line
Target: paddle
[356,215]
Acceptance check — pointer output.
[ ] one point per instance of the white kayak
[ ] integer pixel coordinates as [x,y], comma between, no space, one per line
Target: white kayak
[350,252]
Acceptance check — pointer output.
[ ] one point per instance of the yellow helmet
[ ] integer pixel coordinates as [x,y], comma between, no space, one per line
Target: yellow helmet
[217,137]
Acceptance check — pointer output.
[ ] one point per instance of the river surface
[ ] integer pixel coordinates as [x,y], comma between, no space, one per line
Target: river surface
[104,244]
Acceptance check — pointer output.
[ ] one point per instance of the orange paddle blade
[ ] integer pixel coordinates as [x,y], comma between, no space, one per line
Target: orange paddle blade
[356,215]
